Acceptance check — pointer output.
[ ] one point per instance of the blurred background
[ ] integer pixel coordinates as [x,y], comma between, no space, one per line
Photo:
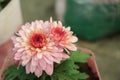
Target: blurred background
[95,22]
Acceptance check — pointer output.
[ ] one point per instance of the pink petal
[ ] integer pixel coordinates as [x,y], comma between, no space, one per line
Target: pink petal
[55,24]
[18,56]
[38,71]
[49,69]
[48,61]
[42,64]
[68,28]
[56,55]
[39,55]
[59,23]
[73,39]
[65,56]
[48,57]
[58,49]
[28,68]
[20,50]
[71,47]
[57,60]
[13,39]
[38,25]
[17,45]
[18,39]
[26,60]
[33,65]
[46,26]
[22,33]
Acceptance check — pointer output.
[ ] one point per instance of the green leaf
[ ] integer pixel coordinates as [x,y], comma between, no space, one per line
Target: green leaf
[1,0]
[0,8]
[83,76]
[68,70]
[13,73]
[78,56]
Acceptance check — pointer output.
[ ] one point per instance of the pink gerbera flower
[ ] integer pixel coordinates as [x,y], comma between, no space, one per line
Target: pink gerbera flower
[34,48]
[62,36]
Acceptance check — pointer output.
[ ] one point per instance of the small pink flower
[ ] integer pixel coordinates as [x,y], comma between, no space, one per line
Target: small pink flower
[34,48]
[62,36]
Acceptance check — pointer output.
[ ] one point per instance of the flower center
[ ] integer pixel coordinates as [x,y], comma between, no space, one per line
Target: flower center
[38,40]
[59,33]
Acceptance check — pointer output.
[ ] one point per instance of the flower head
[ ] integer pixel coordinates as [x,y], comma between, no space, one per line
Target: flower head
[63,36]
[39,44]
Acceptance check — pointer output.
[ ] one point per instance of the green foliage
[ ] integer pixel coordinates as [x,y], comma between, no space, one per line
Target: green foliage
[78,56]
[1,0]
[0,8]
[14,73]
[93,20]
[67,70]
[0,4]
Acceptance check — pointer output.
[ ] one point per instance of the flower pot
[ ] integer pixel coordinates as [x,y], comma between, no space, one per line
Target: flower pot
[6,56]
[10,19]
[91,68]
[6,60]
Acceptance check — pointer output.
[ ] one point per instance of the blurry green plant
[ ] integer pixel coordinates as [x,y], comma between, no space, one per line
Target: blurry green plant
[93,21]
[3,3]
